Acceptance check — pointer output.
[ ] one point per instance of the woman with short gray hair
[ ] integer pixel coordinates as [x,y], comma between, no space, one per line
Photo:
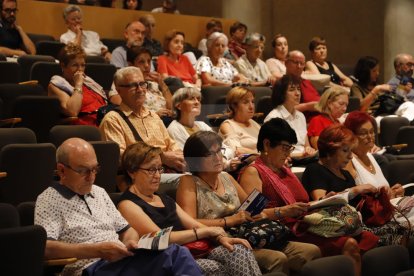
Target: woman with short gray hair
[250,64]
[214,69]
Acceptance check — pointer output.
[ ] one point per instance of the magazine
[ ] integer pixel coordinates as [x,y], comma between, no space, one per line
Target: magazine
[338,199]
[254,203]
[155,240]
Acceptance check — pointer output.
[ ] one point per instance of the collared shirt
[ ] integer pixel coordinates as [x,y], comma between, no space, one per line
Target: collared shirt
[296,121]
[148,125]
[256,72]
[91,42]
[70,218]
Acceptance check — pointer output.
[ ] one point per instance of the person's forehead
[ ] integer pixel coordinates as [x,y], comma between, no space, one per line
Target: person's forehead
[297,56]
[133,76]
[9,4]
[137,25]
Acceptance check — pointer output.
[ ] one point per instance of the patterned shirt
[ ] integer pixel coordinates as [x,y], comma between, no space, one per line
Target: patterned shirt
[224,72]
[71,218]
[257,72]
[149,126]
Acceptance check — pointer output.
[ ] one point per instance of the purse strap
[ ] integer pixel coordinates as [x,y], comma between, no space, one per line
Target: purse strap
[131,126]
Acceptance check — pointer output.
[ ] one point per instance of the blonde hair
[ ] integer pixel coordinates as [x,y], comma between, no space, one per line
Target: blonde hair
[234,96]
[330,95]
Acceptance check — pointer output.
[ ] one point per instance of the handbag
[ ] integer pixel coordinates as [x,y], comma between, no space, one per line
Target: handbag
[264,233]
[331,221]
[200,248]
[388,103]
[376,208]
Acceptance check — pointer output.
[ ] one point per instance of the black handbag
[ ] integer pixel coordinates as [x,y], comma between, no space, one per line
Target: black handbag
[388,103]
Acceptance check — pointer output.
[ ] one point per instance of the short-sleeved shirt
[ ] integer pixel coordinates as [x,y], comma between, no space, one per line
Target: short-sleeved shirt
[224,72]
[10,37]
[118,58]
[254,72]
[182,68]
[318,124]
[71,218]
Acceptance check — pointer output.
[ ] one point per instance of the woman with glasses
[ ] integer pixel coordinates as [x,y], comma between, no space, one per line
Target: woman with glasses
[285,97]
[147,211]
[79,95]
[319,64]
[332,106]
[287,197]
[213,197]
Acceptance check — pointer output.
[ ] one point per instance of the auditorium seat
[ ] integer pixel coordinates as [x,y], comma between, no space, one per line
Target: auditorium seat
[385,261]
[49,48]
[16,136]
[13,72]
[9,216]
[405,135]
[27,61]
[35,38]
[328,266]
[43,71]
[95,59]
[112,43]
[101,73]
[354,104]
[58,134]
[389,127]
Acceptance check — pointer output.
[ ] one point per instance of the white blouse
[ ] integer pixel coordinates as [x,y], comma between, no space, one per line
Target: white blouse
[364,176]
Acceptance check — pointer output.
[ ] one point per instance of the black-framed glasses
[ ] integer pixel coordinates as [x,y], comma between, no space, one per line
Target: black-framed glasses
[9,11]
[152,171]
[220,152]
[135,85]
[84,171]
[287,147]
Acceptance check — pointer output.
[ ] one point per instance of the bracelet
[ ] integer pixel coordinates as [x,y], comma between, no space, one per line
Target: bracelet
[225,222]
[195,232]
[278,214]
[78,90]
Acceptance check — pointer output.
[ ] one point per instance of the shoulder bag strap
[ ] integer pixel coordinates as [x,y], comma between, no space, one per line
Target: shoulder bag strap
[134,131]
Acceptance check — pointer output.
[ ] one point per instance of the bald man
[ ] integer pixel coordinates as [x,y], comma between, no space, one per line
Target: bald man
[402,82]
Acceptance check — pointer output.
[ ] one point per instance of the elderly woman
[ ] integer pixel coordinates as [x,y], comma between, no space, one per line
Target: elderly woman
[174,63]
[213,197]
[250,64]
[276,64]
[240,131]
[286,95]
[332,106]
[147,211]
[214,69]
[366,89]
[363,167]
[319,65]
[79,95]
[158,96]
[336,145]
[288,198]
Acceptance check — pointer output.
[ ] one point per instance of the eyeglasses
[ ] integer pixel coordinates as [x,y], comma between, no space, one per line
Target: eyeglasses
[152,171]
[287,147]
[220,152]
[297,62]
[9,11]
[84,171]
[364,134]
[135,85]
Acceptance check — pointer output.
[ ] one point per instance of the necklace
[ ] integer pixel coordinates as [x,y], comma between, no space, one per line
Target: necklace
[214,188]
[369,167]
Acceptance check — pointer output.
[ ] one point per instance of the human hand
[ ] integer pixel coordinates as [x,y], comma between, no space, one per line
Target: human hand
[112,251]
[228,242]
[164,112]
[234,164]
[238,218]
[397,190]
[272,80]
[174,159]
[363,189]
[78,78]
[309,151]
[375,149]
[260,216]
[294,210]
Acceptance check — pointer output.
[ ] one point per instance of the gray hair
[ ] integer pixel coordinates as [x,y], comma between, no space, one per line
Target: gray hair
[121,74]
[183,94]
[213,37]
[69,9]
[399,59]
[253,37]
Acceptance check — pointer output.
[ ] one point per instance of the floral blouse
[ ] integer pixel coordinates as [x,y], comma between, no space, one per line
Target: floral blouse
[224,72]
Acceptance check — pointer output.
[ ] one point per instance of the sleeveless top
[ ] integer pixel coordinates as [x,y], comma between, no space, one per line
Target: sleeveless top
[163,217]
[364,176]
[91,102]
[330,71]
[211,205]
[241,136]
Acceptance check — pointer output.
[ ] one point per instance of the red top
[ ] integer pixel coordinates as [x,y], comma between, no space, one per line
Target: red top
[182,68]
[91,102]
[319,123]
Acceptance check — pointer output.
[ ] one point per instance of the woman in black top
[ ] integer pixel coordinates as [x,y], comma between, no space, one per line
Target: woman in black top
[146,211]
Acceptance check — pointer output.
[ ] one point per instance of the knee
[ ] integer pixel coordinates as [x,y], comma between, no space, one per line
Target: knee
[271,260]
[311,252]
[351,247]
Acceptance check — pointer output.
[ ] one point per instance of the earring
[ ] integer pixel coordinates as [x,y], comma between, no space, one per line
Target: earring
[265,153]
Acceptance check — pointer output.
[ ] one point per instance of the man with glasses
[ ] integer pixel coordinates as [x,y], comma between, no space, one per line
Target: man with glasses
[295,63]
[82,222]
[13,40]
[135,122]
[402,82]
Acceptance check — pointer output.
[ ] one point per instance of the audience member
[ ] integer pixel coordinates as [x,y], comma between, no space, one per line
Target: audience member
[82,222]
[79,95]
[144,125]
[319,64]
[153,45]
[88,40]
[240,131]
[212,26]
[236,48]
[250,64]
[13,40]
[402,82]
[332,106]
[134,36]
[295,63]
[168,6]
[213,197]
[286,95]
[214,69]
[174,63]
[132,4]
[276,64]
[148,211]
[158,96]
